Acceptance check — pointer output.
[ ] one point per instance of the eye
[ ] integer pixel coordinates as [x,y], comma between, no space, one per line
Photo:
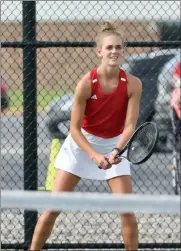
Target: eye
[118,47]
[109,47]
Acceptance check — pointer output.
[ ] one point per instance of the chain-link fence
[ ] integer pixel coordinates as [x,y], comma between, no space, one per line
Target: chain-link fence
[44,70]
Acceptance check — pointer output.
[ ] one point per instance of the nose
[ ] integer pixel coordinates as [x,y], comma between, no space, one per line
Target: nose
[114,50]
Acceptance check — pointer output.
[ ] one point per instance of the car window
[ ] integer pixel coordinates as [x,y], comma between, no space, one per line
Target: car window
[149,66]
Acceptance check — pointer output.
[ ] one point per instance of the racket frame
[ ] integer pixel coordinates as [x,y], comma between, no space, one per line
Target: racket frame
[128,145]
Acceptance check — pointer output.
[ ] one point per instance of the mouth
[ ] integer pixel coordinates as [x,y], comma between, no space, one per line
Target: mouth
[114,58]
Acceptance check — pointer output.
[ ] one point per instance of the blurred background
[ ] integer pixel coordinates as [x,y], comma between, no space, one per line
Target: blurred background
[152,34]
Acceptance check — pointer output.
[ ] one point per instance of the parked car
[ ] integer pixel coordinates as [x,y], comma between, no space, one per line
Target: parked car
[4,96]
[145,66]
[57,120]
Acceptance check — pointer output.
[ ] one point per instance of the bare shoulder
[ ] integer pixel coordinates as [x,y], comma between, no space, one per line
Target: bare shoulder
[132,80]
[83,87]
[134,84]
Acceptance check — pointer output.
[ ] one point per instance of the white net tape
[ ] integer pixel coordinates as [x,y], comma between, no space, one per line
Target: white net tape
[34,200]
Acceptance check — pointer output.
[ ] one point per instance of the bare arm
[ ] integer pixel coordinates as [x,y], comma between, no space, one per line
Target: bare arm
[82,94]
[134,92]
[176,101]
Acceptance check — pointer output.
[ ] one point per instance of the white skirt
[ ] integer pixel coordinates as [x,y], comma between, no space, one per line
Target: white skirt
[73,160]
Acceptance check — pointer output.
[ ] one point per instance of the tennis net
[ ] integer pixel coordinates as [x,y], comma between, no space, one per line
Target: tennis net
[31,200]
[92,217]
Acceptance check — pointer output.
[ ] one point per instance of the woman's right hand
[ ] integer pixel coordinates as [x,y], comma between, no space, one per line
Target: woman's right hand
[102,161]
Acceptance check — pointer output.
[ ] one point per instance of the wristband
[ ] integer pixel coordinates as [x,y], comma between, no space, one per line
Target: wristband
[117,149]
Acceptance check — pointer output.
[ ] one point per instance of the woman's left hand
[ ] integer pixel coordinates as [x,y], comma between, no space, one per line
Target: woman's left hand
[113,159]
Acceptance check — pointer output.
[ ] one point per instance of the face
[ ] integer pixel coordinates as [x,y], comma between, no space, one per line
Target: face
[112,51]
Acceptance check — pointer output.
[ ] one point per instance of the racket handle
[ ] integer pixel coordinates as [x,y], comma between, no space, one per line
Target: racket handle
[121,151]
[122,157]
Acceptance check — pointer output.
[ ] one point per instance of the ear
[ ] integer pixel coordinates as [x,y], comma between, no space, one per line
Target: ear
[122,52]
[99,52]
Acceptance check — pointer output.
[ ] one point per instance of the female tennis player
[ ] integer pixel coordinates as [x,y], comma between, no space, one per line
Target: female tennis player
[103,118]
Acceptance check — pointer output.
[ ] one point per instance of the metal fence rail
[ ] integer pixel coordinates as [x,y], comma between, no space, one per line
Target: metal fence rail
[41,64]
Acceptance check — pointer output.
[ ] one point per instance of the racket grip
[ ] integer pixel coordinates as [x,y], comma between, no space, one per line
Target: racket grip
[121,151]
[122,157]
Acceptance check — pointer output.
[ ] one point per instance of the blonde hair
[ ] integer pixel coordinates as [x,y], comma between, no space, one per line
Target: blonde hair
[108,29]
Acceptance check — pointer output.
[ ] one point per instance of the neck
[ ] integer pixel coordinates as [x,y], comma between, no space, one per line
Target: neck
[108,71]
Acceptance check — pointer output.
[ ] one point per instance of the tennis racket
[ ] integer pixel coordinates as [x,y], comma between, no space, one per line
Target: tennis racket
[142,144]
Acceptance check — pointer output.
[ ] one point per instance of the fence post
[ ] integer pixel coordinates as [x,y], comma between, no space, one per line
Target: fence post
[30,111]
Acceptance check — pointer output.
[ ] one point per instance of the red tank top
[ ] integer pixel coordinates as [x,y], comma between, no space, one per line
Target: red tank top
[105,114]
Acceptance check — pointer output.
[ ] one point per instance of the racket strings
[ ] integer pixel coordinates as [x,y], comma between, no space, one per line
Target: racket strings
[142,143]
